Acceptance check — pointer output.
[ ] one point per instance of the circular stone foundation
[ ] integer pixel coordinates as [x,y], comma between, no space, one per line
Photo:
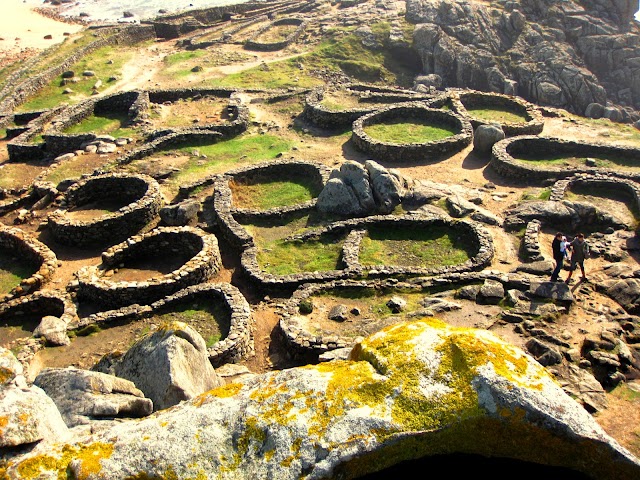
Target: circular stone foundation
[505,154]
[139,197]
[96,285]
[532,122]
[33,253]
[412,152]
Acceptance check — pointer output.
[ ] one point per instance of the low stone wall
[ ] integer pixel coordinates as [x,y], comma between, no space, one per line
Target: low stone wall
[30,251]
[478,237]
[303,343]
[317,114]
[531,242]
[93,285]
[174,26]
[144,197]
[238,113]
[412,152]
[126,35]
[596,182]
[226,216]
[42,303]
[197,42]
[466,99]
[238,343]
[504,163]
[22,148]
[254,44]
[236,346]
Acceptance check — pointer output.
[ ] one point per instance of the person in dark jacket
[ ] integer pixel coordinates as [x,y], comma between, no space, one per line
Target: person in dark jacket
[579,251]
[558,255]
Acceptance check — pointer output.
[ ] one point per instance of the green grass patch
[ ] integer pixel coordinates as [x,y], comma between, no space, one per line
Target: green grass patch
[104,124]
[289,257]
[372,301]
[104,62]
[409,132]
[210,318]
[276,33]
[179,65]
[271,194]
[543,194]
[428,248]
[13,269]
[496,114]
[342,52]
[222,156]
[567,160]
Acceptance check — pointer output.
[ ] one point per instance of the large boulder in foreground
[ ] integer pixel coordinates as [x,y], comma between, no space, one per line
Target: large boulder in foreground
[83,395]
[169,366]
[412,390]
[27,414]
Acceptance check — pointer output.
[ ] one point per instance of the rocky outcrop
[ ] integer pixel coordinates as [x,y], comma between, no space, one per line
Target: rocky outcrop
[412,390]
[83,395]
[357,191]
[169,366]
[572,215]
[27,414]
[568,55]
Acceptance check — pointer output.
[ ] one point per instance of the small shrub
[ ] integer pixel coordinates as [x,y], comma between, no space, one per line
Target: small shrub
[305,306]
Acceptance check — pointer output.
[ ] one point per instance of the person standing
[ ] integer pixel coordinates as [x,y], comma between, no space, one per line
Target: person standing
[558,255]
[579,252]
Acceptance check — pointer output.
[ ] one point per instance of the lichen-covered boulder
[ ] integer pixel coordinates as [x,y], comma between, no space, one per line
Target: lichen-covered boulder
[169,366]
[83,395]
[27,414]
[412,390]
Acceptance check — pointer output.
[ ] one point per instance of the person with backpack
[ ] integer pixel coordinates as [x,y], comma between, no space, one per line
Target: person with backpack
[579,252]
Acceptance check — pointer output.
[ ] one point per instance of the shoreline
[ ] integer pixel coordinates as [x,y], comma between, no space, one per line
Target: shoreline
[25,31]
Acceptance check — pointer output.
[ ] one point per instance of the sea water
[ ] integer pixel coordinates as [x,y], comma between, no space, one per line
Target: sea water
[114,10]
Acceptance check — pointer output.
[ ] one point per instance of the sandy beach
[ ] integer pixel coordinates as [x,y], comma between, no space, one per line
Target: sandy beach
[23,31]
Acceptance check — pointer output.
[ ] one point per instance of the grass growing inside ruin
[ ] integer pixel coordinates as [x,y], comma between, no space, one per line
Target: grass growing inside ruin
[428,248]
[276,33]
[104,62]
[51,56]
[342,51]
[209,318]
[75,167]
[18,174]
[408,132]
[370,301]
[271,194]
[13,269]
[104,124]
[496,114]
[601,161]
[222,156]
[289,257]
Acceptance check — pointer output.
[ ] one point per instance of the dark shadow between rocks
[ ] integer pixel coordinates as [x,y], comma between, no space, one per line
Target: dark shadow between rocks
[460,465]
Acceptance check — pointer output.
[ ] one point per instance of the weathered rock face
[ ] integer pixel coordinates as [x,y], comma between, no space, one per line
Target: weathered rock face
[83,395]
[169,366]
[357,191]
[409,391]
[572,215]
[567,54]
[27,414]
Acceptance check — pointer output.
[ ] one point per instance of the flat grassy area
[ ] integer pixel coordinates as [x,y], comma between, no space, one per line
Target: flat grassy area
[370,301]
[409,132]
[601,161]
[276,33]
[104,124]
[222,156]
[496,114]
[342,51]
[18,174]
[428,248]
[210,319]
[271,194]
[286,258]
[104,62]
[13,270]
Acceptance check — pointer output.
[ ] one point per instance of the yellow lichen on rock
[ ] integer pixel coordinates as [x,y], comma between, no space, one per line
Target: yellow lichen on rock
[87,458]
